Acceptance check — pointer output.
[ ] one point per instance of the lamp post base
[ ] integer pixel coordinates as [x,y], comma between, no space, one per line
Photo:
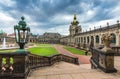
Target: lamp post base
[21,51]
[21,45]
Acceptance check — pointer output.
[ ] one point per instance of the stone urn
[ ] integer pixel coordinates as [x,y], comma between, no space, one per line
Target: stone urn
[107,38]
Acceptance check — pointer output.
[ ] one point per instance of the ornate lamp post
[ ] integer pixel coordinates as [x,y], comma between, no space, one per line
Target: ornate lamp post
[21,33]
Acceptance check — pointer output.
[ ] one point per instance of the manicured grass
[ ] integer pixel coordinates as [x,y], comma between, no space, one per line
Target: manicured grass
[43,51]
[44,45]
[75,51]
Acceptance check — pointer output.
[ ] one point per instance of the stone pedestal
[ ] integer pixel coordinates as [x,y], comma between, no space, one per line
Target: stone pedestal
[20,67]
[106,62]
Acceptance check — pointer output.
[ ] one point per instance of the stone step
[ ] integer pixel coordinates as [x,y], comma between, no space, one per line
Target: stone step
[63,70]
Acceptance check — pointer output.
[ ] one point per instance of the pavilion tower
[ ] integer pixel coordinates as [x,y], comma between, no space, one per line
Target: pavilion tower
[74,27]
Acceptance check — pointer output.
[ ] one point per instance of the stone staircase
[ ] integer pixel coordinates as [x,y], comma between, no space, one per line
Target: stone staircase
[63,70]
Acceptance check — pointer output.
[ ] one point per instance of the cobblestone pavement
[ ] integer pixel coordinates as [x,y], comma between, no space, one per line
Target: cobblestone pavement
[82,58]
[63,70]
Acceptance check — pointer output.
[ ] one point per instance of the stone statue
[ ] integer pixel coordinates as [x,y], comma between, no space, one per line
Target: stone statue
[107,38]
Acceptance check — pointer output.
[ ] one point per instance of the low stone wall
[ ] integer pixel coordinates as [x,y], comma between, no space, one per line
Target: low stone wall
[117,50]
[42,61]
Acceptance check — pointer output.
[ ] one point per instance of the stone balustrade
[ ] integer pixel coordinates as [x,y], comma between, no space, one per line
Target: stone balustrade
[102,60]
[117,50]
[18,65]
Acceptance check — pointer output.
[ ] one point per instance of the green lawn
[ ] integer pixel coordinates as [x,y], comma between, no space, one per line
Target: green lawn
[44,45]
[75,51]
[43,51]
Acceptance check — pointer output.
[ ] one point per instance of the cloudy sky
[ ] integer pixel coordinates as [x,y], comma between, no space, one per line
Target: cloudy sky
[56,15]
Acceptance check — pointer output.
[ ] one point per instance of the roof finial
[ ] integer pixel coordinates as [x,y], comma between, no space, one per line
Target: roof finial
[75,16]
[107,23]
[74,22]
[118,21]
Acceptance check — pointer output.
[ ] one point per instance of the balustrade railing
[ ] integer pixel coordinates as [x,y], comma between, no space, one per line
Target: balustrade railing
[18,65]
[117,50]
[102,60]
[42,61]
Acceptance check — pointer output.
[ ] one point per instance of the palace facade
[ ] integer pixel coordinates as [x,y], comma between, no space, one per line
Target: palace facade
[51,38]
[81,39]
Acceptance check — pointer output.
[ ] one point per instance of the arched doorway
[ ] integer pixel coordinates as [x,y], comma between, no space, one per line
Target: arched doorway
[114,38]
[92,38]
[84,40]
[88,39]
[92,41]
[81,39]
[97,39]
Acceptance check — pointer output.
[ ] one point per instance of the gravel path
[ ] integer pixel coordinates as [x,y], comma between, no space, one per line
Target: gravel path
[82,58]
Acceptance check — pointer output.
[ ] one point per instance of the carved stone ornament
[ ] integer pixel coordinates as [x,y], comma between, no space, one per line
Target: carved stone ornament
[107,38]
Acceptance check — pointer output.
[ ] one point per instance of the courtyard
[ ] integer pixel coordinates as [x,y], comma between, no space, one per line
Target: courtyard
[59,39]
[53,49]
[63,70]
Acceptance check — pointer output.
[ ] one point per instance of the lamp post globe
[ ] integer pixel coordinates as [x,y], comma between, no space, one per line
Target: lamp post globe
[21,33]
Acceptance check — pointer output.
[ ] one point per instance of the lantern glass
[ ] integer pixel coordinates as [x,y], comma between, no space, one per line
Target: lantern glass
[16,35]
[21,36]
[27,36]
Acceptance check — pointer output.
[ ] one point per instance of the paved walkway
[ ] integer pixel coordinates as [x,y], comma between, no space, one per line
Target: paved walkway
[63,70]
[82,58]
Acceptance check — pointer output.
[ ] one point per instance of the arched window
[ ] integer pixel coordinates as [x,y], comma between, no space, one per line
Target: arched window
[84,39]
[76,31]
[97,39]
[81,39]
[114,38]
[92,38]
[88,39]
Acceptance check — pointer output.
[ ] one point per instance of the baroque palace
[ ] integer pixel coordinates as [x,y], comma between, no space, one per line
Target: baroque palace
[51,38]
[77,38]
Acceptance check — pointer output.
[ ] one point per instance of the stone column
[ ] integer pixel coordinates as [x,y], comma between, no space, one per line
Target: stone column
[100,41]
[117,40]
[94,40]
[89,39]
